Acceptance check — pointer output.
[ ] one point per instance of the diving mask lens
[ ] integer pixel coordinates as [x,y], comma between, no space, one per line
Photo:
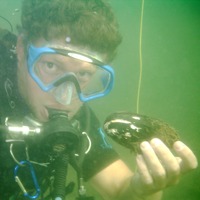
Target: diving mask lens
[97,83]
[58,71]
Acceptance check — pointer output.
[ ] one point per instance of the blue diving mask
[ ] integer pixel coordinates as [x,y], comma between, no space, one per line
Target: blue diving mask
[67,73]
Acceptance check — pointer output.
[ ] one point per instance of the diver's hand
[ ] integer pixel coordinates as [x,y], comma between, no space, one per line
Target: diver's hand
[158,167]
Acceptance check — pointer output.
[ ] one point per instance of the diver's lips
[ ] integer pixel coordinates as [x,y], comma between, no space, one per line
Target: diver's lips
[57,109]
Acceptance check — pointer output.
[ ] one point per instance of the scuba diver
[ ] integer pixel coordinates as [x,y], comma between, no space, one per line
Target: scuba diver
[59,61]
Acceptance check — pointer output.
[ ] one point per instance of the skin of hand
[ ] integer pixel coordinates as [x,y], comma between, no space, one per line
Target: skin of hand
[157,168]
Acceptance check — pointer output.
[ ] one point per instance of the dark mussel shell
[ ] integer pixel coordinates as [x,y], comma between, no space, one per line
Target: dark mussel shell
[130,129]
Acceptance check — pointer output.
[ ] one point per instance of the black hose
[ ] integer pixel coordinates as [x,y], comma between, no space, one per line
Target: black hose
[11,27]
[60,177]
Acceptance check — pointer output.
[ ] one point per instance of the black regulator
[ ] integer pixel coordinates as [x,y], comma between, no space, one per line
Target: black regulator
[61,138]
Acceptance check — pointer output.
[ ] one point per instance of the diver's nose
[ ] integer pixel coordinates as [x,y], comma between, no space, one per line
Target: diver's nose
[64,92]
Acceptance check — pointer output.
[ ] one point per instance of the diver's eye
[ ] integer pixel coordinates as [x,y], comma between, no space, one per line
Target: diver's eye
[47,71]
[84,76]
[50,68]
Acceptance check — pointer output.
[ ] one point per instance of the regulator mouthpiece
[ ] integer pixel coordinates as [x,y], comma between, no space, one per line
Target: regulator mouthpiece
[59,134]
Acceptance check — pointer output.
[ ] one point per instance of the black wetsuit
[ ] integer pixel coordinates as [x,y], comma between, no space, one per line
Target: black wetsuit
[12,105]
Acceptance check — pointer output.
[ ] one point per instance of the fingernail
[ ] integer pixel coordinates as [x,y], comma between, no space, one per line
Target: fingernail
[179,145]
[156,142]
[144,145]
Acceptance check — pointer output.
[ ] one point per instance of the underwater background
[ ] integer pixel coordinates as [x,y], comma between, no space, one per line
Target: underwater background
[170,81]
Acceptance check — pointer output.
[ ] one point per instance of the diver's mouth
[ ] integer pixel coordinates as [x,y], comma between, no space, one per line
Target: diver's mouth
[52,110]
[44,114]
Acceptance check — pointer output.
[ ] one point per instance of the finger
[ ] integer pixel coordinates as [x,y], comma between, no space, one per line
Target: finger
[168,160]
[179,160]
[154,165]
[143,171]
[142,180]
[188,159]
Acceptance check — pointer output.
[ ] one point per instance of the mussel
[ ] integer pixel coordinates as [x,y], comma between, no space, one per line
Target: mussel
[130,129]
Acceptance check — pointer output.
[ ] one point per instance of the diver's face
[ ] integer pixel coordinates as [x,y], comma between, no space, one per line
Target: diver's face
[38,100]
